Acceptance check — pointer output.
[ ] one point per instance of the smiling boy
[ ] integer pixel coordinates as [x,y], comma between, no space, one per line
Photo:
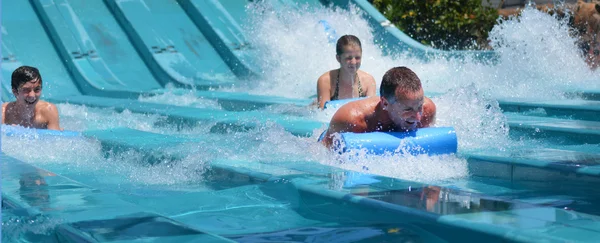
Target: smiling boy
[28,110]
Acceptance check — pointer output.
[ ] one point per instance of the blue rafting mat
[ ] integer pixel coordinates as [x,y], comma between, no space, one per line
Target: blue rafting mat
[431,141]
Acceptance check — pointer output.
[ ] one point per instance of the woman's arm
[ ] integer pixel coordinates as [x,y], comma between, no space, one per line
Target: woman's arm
[323,90]
[371,86]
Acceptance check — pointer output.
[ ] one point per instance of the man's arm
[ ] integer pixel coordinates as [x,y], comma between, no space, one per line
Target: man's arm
[51,115]
[371,87]
[334,127]
[323,90]
[344,120]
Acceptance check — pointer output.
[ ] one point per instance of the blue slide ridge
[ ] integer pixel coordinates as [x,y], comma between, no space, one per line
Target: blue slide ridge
[31,46]
[220,21]
[95,48]
[99,57]
[170,44]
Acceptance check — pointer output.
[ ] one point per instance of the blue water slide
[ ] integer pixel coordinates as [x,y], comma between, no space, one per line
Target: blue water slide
[220,21]
[95,49]
[170,44]
[102,61]
[24,42]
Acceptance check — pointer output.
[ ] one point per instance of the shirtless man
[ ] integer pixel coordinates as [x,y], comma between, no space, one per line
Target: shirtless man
[401,107]
[28,110]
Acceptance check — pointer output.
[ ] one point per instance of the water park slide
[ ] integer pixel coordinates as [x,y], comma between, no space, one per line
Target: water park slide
[225,31]
[169,42]
[46,59]
[60,86]
[99,58]
[95,48]
[105,63]
[220,21]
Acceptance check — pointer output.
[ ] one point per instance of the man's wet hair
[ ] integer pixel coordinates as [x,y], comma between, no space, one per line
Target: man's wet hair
[24,74]
[399,77]
[344,41]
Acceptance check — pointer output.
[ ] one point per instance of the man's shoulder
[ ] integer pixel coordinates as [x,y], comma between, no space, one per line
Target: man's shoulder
[360,106]
[355,112]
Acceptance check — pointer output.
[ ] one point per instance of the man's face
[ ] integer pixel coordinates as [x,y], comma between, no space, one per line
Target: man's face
[29,93]
[407,110]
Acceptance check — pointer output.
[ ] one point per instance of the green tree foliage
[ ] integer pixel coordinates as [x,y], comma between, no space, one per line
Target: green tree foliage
[445,24]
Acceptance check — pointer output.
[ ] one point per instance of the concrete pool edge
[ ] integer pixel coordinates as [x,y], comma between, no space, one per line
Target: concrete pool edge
[458,221]
[103,212]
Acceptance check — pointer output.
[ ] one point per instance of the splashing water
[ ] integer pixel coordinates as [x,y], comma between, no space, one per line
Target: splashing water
[84,158]
[180,97]
[478,121]
[295,52]
[80,118]
[271,143]
[27,228]
[538,57]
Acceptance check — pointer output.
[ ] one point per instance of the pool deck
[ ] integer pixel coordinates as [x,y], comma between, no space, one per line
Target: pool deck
[387,199]
[83,213]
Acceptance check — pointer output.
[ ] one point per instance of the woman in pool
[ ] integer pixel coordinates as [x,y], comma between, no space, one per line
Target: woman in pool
[347,81]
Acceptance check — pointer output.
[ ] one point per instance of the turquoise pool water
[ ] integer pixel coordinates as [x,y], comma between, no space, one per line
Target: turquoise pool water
[179,166]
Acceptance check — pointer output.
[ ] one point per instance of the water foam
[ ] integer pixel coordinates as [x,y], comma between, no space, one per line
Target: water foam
[295,52]
[80,118]
[84,160]
[80,157]
[180,97]
[537,56]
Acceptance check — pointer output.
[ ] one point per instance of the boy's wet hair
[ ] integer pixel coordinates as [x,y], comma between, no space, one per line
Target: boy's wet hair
[344,41]
[24,74]
[399,77]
